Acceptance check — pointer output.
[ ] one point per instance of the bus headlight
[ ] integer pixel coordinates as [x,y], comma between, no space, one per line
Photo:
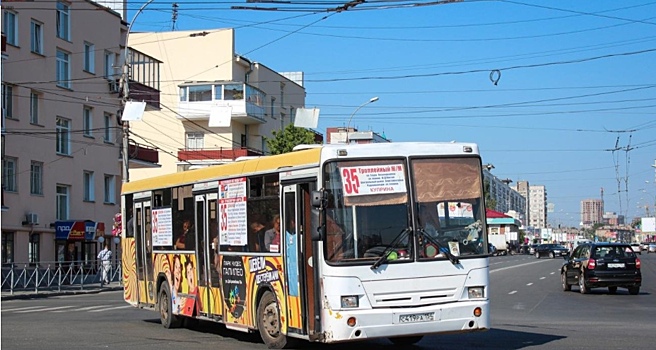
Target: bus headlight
[350,301]
[475,292]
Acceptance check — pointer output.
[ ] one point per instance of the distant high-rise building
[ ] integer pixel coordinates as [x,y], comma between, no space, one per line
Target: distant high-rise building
[538,206]
[522,187]
[592,211]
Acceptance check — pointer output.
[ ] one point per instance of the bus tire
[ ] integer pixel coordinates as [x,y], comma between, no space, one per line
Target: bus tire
[166,316]
[405,341]
[268,322]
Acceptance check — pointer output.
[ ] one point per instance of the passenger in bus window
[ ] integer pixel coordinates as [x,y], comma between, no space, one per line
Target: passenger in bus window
[428,219]
[185,237]
[256,239]
[272,236]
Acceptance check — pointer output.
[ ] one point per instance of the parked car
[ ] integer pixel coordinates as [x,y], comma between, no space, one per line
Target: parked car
[644,246]
[551,250]
[610,265]
[531,248]
[637,248]
[652,248]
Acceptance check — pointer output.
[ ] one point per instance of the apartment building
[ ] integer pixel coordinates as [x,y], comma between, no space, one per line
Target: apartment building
[538,206]
[507,199]
[216,106]
[592,211]
[61,170]
[522,187]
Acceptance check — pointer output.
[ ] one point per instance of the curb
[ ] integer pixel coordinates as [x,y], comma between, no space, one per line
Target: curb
[46,294]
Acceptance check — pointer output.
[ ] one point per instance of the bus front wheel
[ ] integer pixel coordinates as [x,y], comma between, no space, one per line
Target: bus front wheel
[268,322]
[166,316]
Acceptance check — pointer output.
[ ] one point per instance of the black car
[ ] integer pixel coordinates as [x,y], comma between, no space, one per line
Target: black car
[608,265]
[551,250]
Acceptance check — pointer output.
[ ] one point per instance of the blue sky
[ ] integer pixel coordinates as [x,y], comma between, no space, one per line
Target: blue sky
[574,108]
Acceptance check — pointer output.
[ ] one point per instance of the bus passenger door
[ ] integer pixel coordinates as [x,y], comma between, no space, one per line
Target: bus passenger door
[299,273]
[144,250]
[206,249]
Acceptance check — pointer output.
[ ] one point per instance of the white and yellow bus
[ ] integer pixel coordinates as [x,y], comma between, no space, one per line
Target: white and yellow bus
[330,244]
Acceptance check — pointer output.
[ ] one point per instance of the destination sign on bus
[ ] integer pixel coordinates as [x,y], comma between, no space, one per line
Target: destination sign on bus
[373,179]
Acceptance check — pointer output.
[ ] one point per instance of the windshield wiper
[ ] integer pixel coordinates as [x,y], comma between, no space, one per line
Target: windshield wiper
[383,257]
[454,259]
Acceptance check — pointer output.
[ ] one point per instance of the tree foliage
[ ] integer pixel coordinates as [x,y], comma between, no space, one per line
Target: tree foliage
[490,203]
[285,140]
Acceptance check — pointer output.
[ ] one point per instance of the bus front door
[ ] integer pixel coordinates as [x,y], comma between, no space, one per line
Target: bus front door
[144,252]
[299,270]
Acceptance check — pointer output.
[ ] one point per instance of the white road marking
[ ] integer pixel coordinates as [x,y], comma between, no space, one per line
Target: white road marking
[112,308]
[83,308]
[513,292]
[529,284]
[520,265]
[542,278]
[44,310]
[22,308]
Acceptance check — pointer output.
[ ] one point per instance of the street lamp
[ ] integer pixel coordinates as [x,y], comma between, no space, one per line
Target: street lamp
[348,126]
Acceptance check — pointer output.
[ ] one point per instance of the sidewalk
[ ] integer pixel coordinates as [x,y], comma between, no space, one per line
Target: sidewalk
[65,290]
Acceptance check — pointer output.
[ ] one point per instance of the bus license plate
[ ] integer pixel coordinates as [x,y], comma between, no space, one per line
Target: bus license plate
[616,265]
[411,318]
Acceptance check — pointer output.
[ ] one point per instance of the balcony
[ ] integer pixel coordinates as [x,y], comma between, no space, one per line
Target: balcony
[143,157]
[198,99]
[216,154]
[144,79]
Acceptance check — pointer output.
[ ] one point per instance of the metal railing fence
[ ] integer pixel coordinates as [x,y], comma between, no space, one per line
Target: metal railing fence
[56,276]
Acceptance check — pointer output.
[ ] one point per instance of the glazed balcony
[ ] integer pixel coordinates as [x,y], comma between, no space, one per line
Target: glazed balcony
[216,154]
[245,102]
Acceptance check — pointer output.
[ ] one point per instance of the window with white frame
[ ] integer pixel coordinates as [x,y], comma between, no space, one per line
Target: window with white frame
[63,139]
[89,57]
[110,188]
[8,101]
[63,21]
[87,121]
[89,186]
[110,62]
[10,27]
[36,178]
[63,202]
[109,135]
[195,140]
[200,93]
[63,69]
[34,107]
[36,37]
[9,179]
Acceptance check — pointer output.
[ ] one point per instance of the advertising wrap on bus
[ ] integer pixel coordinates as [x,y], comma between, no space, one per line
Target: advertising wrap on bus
[79,230]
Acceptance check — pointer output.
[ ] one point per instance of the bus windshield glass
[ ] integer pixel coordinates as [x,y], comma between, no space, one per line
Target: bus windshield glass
[369,211]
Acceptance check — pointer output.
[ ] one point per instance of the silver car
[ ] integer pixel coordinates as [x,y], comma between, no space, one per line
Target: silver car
[652,248]
[637,248]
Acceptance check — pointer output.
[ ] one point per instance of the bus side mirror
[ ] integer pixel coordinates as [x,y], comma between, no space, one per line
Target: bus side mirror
[317,234]
[318,198]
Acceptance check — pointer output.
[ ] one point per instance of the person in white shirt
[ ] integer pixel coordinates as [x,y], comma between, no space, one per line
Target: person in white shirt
[105,257]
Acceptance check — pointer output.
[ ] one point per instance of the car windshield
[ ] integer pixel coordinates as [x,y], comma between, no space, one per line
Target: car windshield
[368,206]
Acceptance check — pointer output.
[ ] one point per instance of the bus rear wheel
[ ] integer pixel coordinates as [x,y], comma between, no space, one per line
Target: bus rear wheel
[406,340]
[268,322]
[166,316]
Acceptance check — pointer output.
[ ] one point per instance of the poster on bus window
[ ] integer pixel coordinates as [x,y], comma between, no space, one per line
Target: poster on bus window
[373,179]
[162,226]
[232,212]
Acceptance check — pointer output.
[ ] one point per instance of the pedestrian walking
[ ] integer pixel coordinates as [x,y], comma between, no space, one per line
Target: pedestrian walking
[105,257]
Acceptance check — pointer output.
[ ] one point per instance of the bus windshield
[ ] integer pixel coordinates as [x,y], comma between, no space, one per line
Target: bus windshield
[369,211]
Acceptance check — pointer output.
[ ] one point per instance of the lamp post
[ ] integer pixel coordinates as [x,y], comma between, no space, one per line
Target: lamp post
[348,126]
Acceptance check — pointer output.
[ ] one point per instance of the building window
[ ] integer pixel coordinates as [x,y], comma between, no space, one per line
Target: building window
[273,107]
[109,135]
[89,57]
[63,136]
[87,121]
[63,21]
[233,92]
[183,94]
[62,202]
[36,37]
[8,101]
[9,168]
[200,93]
[110,189]
[34,107]
[195,140]
[110,70]
[63,69]
[10,27]
[89,185]
[34,250]
[36,178]
[7,247]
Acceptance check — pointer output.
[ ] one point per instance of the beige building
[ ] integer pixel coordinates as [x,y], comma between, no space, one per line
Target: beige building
[592,211]
[61,137]
[216,106]
[538,206]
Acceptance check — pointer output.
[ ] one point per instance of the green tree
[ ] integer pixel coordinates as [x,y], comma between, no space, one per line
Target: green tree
[490,203]
[285,140]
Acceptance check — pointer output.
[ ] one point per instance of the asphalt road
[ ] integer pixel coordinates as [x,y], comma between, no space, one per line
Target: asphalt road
[529,311]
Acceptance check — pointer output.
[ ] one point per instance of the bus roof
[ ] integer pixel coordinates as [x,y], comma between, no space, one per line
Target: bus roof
[245,167]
